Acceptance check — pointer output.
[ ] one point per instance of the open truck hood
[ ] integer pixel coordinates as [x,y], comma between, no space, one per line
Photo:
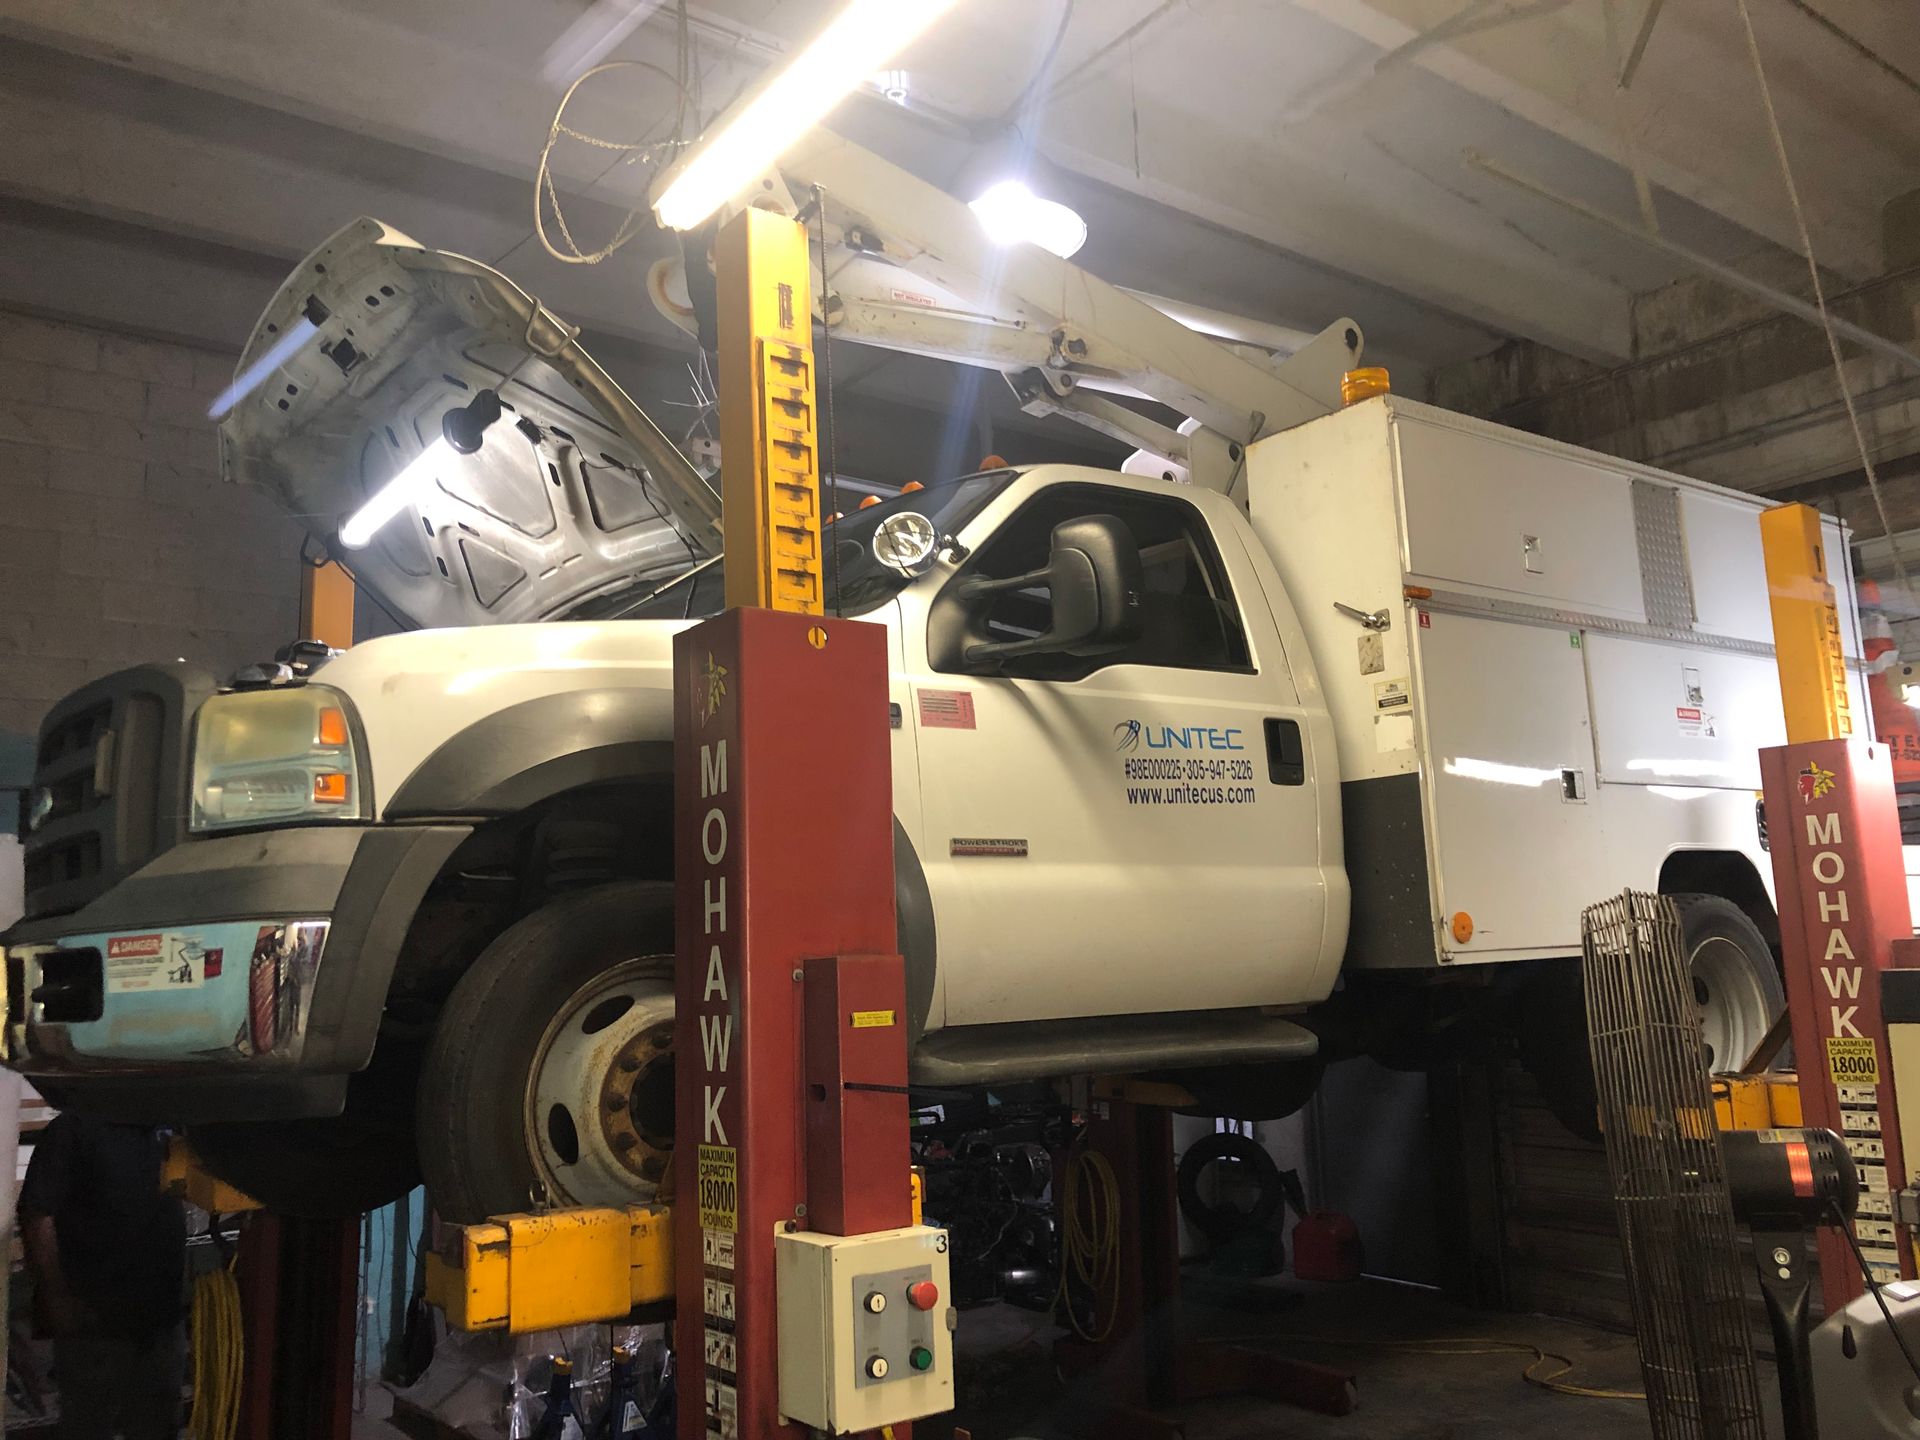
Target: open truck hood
[573,495]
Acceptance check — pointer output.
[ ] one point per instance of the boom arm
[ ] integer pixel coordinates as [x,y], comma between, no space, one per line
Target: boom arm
[912,271]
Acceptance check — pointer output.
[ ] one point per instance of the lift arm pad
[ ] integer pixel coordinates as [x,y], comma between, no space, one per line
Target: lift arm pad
[539,1272]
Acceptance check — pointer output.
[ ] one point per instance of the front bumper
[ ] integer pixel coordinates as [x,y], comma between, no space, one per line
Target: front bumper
[204,996]
[224,976]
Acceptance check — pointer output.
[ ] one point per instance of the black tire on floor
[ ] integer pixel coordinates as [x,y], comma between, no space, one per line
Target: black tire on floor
[1221,1223]
[329,1168]
[1552,1013]
[471,1123]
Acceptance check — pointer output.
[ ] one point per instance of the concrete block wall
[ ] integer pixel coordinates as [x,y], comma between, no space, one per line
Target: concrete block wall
[119,542]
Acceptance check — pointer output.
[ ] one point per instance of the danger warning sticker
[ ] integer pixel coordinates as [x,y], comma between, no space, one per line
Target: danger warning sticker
[1853,1061]
[719,1190]
[1694,722]
[158,962]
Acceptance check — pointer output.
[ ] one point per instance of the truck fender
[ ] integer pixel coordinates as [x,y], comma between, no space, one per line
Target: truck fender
[391,872]
[526,753]
[913,910]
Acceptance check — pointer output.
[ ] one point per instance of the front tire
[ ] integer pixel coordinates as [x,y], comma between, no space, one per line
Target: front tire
[550,1076]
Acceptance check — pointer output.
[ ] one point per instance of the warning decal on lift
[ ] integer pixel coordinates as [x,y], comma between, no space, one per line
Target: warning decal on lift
[1852,1061]
[871,1019]
[719,1188]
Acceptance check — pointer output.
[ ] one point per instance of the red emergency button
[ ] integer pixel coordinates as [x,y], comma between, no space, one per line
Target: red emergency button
[923,1295]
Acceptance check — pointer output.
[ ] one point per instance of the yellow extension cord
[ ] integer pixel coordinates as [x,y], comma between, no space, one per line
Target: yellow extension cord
[1090,1241]
[1472,1345]
[219,1349]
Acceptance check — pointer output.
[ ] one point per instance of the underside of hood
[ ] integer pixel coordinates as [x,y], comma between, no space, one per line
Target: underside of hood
[573,495]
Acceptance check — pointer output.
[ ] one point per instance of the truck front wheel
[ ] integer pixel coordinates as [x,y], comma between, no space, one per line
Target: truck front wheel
[550,1076]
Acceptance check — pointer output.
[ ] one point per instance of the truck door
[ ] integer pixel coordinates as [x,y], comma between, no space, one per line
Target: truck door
[1116,834]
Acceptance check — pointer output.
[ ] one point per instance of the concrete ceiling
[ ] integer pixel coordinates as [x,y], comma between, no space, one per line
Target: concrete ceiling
[1287,161]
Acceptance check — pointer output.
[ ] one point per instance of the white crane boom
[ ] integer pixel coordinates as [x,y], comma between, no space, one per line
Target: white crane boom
[909,269]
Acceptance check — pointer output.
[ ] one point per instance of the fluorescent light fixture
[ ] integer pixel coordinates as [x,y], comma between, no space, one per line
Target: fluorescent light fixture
[861,39]
[1492,771]
[248,380]
[394,496]
[1011,213]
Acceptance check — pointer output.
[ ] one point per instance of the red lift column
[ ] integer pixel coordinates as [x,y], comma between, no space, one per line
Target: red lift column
[1839,874]
[790,1036]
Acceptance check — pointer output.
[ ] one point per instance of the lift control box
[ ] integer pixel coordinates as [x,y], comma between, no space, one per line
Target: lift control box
[866,1327]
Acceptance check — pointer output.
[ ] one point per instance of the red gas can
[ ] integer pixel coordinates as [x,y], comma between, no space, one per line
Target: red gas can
[1326,1246]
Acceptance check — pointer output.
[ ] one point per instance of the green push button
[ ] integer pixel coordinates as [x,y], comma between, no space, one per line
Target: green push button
[921,1358]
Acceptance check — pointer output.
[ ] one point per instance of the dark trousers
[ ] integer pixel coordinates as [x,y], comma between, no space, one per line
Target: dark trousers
[129,1388]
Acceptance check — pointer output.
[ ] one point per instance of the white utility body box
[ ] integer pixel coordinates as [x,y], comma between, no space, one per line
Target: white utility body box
[1573,679]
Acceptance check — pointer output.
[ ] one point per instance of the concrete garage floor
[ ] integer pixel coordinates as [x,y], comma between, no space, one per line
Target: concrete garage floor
[1008,1388]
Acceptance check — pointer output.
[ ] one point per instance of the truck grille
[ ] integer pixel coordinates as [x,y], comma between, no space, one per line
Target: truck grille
[109,785]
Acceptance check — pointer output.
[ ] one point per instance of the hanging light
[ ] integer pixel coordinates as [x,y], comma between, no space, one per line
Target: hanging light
[855,44]
[1011,190]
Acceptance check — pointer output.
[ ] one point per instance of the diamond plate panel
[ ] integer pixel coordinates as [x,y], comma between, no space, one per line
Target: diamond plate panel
[1666,580]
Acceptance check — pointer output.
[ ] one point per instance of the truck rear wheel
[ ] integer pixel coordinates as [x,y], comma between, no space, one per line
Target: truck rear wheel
[550,1076]
[1737,995]
[1736,982]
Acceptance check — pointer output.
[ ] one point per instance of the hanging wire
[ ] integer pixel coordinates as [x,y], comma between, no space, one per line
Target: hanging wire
[546,195]
[1820,298]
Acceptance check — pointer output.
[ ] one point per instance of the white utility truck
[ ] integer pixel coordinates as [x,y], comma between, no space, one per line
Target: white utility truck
[1310,738]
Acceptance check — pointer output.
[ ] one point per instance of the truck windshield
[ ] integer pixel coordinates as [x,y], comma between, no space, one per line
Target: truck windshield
[856,580]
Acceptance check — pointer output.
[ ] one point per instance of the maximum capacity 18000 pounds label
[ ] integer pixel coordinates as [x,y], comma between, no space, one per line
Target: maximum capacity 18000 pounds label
[1852,1060]
[719,1188]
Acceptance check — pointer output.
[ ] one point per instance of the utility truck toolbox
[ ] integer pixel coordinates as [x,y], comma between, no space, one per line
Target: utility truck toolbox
[1541,663]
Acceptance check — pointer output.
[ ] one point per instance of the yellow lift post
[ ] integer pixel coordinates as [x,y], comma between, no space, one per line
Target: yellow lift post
[1813,694]
[572,1267]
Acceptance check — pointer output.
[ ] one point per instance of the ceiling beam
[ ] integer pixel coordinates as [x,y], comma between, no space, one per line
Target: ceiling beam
[1555,72]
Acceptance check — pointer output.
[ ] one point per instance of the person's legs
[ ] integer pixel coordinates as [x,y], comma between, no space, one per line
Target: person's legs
[151,1410]
[90,1373]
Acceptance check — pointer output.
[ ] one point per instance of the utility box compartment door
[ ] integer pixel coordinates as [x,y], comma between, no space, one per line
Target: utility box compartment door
[1497,516]
[1668,715]
[1510,808]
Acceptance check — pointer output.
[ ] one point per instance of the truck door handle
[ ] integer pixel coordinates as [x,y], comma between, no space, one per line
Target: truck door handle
[1286,756]
[1375,620]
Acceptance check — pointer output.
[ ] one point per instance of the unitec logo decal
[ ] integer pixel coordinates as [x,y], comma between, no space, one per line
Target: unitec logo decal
[1129,735]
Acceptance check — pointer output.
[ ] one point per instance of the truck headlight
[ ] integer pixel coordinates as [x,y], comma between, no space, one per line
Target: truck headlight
[269,757]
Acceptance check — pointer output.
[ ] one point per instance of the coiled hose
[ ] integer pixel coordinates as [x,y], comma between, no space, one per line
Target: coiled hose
[219,1350]
[1090,1242]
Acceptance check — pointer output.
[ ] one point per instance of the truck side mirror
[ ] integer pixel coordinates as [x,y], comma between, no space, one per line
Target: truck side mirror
[1093,576]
